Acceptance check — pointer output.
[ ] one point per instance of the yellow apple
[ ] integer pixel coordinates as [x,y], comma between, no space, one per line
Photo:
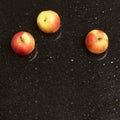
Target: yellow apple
[48,21]
[96,41]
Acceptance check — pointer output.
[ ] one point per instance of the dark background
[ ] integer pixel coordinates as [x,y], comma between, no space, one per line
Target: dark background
[60,80]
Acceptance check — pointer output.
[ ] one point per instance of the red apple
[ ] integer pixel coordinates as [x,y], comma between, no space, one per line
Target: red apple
[23,43]
[96,41]
[48,21]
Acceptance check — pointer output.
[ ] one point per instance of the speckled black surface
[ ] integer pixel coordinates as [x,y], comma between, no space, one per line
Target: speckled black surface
[64,81]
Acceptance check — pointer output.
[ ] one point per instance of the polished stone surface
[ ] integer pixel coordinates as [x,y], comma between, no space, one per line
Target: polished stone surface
[60,80]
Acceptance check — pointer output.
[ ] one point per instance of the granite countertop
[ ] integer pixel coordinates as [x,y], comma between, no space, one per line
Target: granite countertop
[60,80]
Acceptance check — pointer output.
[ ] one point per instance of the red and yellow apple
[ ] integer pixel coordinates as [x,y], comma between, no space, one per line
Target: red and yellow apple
[23,43]
[48,21]
[96,41]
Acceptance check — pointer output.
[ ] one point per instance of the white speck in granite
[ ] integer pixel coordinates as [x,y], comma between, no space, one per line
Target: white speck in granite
[114,109]
[37,80]
[105,88]
[76,9]
[26,111]
[36,101]
[110,9]
[95,18]
[115,58]
[15,89]
[72,60]
[88,115]
[101,118]
[15,115]
[117,100]
[36,32]
[116,112]
[93,77]
[89,62]
[77,1]
[93,110]
[84,115]
[26,78]
[10,112]
[103,11]
[108,110]
[88,21]
[96,4]
[25,86]
[36,68]
[26,13]
[111,62]
[51,57]
[112,86]
[116,66]
[119,23]
[109,95]
[86,9]
[71,69]
[71,15]
[20,26]
[30,83]
[36,84]
[83,7]
[36,118]
[89,103]
[72,103]
[89,70]
[103,64]
[114,76]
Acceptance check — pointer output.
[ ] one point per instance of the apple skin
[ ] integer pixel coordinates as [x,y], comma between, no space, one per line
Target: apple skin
[23,43]
[96,41]
[48,21]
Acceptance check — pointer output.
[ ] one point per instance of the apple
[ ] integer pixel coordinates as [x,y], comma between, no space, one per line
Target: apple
[48,21]
[96,41]
[23,43]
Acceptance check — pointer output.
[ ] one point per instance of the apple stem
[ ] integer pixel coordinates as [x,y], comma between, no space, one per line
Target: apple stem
[99,38]
[21,39]
[45,19]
